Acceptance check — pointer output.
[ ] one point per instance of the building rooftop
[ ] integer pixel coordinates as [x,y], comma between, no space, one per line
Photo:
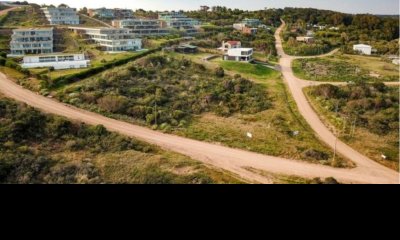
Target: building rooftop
[233,42]
[33,29]
[362,45]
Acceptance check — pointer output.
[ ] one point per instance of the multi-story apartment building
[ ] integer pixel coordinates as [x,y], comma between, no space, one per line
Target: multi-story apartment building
[101,13]
[142,27]
[116,13]
[31,41]
[120,13]
[61,15]
[111,39]
[179,21]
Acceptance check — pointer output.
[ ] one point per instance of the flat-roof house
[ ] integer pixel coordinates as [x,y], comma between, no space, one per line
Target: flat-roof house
[57,61]
[251,22]
[61,15]
[31,41]
[142,27]
[186,48]
[111,39]
[305,39]
[239,55]
[111,13]
[229,45]
[179,21]
[363,49]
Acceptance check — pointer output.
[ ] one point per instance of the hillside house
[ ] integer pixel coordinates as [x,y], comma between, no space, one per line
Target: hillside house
[363,49]
[239,55]
[57,61]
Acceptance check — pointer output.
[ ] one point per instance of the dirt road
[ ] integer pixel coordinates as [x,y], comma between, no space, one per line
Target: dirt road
[296,87]
[229,159]
[7,10]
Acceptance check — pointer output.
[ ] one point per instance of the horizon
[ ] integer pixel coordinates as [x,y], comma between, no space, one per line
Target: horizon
[383,7]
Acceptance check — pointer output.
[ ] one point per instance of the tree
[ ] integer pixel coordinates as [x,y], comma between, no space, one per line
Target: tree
[83,10]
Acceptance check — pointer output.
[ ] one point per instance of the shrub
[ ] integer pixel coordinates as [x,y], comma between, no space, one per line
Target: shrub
[114,104]
[220,72]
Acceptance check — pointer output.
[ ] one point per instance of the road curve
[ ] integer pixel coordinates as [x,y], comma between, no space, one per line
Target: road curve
[296,86]
[2,12]
[233,160]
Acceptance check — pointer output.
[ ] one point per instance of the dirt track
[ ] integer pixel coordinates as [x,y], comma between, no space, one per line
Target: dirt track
[229,159]
[296,85]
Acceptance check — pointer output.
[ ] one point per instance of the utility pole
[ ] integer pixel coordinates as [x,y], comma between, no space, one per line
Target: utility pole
[334,152]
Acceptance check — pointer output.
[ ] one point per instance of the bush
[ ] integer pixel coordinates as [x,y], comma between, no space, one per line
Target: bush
[220,72]
[315,154]
[2,61]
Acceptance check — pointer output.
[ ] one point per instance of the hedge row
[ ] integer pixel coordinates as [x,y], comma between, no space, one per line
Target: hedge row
[60,81]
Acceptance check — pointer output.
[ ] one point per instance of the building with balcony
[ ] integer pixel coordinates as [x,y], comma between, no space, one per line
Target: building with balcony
[31,41]
[142,27]
[111,39]
[61,15]
[251,22]
[179,21]
[110,13]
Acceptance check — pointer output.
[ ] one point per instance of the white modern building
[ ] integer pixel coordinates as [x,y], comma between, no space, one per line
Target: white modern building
[61,15]
[179,21]
[57,61]
[142,27]
[363,49]
[31,41]
[111,39]
[111,13]
[239,55]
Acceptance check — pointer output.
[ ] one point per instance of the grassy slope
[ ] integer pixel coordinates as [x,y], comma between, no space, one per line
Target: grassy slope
[149,165]
[28,16]
[368,143]
[346,68]
[272,129]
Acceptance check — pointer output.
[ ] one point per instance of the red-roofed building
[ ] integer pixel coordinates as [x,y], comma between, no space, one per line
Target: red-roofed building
[230,45]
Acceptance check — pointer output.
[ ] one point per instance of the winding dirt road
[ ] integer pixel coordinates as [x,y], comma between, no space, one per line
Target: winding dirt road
[296,86]
[2,12]
[233,160]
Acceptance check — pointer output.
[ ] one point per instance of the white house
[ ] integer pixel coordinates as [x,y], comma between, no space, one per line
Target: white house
[57,61]
[305,39]
[239,55]
[363,49]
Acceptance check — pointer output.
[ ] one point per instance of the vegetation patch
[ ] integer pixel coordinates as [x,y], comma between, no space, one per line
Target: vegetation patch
[346,69]
[365,115]
[38,148]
